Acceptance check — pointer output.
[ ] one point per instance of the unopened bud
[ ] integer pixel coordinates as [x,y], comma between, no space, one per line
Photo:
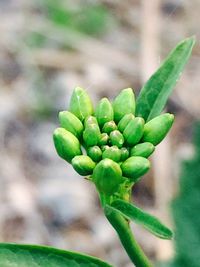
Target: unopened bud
[124,154]
[107,176]
[113,153]
[95,153]
[109,127]
[142,149]
[124,104]
[124,121]
[104,111]
[156,129]
[71,123]
[116,138]
[66,144]
[135,167]
[134,131]
[83,165]
[81,104]
[103,139]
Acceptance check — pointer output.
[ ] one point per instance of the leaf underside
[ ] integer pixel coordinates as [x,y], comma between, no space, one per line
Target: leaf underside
[138,216]
[154,94]
[14,255]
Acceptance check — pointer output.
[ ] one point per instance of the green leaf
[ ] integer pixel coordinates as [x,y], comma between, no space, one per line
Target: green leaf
[155,92]
[138,216]
[14,255]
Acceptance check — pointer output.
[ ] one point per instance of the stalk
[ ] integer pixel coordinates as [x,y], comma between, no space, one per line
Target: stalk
[121,226]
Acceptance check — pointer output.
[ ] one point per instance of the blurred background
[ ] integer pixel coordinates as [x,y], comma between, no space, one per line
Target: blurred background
[47,48]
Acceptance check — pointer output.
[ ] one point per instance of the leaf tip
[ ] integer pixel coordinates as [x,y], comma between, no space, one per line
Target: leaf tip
[192,38]
[189,41]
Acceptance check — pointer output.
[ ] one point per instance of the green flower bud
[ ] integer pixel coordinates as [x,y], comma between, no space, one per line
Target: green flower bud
[124,104]
[142,150]
[103,148]
[124,121]
[109,127]
[90,120]
[104,139]
[104,111]
[81,104]
[107,176]
[124,154]
[135,167]
[95,153]
[91,135]
[83,165]
[71,123]
[66,144]
[156,129]
[113,153]
[134,131]
[116,138]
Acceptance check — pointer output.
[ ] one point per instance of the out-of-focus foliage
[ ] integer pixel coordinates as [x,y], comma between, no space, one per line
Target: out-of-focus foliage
[185,209]
[86,18]
[91,19]
[65,17]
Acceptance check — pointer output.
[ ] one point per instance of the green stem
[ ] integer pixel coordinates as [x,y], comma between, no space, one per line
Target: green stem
[127,239]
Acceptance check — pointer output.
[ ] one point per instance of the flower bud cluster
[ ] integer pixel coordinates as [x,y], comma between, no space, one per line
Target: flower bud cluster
[116,143]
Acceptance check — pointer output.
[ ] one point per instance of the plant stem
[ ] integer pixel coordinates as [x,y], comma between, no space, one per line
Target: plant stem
[127,239]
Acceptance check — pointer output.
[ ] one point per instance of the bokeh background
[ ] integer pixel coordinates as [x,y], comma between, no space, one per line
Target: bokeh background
[47,48]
